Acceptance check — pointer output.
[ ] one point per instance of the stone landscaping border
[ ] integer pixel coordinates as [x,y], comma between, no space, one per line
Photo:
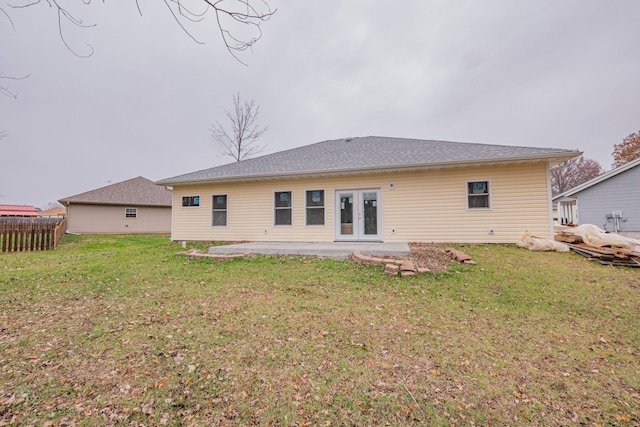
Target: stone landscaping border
[392,266]
[460,256]
[404,267]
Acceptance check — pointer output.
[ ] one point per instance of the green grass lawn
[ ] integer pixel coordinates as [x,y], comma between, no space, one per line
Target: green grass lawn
[113,330]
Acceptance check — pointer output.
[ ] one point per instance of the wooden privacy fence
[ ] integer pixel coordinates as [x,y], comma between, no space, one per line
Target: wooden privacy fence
[30,234]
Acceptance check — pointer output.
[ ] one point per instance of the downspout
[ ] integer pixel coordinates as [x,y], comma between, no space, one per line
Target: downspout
[68,218]
[550,203]
[170,188]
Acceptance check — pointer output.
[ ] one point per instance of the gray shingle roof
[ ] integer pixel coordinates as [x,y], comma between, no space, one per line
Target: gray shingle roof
[370,154]
[138,191]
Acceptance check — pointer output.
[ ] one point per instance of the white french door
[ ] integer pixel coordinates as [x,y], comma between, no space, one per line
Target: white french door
[358,214]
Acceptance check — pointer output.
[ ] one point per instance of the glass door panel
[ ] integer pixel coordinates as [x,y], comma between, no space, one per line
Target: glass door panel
[346,214]
[358,215]
[370,213]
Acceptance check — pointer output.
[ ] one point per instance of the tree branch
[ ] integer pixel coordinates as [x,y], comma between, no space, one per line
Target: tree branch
[4,12]
[251,17]
[5,90]
[573,173]
[64,14]
[627,151]
[175,17]
[245,13]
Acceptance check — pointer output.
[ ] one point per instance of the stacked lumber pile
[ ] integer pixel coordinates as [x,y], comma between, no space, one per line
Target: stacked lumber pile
[614,251]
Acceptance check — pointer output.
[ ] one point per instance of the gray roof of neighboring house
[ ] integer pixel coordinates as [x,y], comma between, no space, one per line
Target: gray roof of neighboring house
[368,155]
[605,176]
[133,192]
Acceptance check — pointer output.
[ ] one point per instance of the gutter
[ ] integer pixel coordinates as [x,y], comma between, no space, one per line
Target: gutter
[69,202]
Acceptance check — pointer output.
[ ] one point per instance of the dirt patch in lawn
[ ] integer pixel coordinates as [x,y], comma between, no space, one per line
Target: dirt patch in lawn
[429,255]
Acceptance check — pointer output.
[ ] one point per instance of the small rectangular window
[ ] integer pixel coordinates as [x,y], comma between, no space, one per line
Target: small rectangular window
[219,214]
[478,195]
[190,201]
[315,207]
[130,212]
[282,206]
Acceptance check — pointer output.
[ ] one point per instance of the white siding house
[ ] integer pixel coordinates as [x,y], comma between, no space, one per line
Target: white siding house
[610,201]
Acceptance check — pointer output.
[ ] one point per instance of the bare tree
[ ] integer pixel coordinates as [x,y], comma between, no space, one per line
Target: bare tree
[51,205]
[240,141]
[239,21]
[627,151]
[573,173]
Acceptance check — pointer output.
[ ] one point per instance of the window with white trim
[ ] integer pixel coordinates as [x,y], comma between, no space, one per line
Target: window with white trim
[314,202]
[478,195]
[219,210]
[190,201]
[130,212]
[283,208]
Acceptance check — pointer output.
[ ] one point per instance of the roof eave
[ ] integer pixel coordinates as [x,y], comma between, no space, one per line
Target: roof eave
[67,202]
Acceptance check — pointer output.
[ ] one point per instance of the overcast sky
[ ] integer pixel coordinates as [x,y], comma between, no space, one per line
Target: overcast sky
[543,73]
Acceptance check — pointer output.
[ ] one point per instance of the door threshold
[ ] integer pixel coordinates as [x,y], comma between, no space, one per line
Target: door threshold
[358,241]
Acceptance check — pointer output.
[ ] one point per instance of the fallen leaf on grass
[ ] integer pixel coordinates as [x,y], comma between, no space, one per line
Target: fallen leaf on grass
[230,413]
[165,418]
[147,408]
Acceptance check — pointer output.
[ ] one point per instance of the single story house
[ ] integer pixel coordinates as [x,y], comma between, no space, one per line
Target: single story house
[611,201]
[135,206]
[371,189]
[53,213]
[18,210]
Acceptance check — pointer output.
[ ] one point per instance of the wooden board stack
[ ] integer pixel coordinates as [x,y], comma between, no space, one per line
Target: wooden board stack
[606,255]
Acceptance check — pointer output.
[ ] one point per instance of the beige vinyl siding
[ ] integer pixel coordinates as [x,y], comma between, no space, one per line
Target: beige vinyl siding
[433,206]
[250,211]
[428,206]
[108,219]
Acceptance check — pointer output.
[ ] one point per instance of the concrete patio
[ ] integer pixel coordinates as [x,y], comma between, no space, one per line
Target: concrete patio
[335,250]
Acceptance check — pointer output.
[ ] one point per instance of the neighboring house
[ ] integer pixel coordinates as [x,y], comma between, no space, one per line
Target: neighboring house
[610,201]
[53,213]
[135,206]
[371,189]
[18,210]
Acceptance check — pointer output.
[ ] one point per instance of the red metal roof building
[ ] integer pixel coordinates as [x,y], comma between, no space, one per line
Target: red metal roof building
[17,210]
